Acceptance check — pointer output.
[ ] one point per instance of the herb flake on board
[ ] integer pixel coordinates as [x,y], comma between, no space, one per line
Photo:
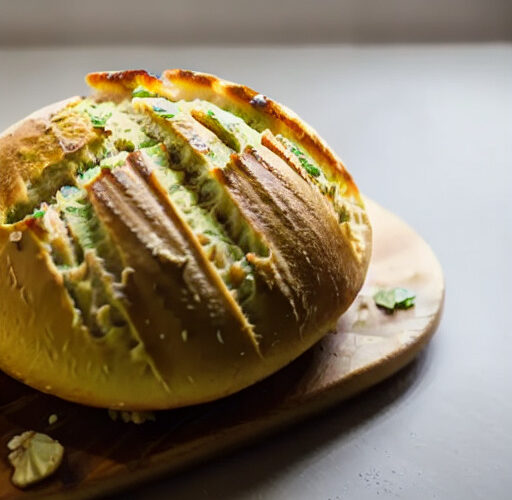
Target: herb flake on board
[394,298]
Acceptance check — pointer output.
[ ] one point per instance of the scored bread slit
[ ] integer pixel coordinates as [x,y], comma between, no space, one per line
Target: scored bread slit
[94,279]
[193,145]
[144,169]
[207,119]
[227,257]
[235,133]
[83,255]
[137,210]
[198,140]
[188,145]
[265,115]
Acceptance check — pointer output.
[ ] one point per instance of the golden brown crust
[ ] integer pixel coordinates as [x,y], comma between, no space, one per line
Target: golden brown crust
[311,264]
[185,83]
[26,149]
[179,84]
[185,339]
[188,85]
[45,346]
[117,85]
[173,287]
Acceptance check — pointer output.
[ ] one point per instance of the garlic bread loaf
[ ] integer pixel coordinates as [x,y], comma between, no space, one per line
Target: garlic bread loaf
[169,241]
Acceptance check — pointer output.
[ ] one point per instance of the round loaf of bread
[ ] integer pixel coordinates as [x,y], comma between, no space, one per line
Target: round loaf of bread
[169,241]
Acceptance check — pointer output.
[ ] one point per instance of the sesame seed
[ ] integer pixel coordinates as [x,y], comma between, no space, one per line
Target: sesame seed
[162,336]
[184,335]
[219,337]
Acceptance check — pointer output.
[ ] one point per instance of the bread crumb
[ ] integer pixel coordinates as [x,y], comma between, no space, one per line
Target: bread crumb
[134,417]
[15,236]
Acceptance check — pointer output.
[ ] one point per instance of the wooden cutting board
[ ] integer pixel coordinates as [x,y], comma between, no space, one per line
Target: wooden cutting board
[369,345]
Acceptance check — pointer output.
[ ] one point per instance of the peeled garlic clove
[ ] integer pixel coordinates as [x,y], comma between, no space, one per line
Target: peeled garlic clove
[34,457]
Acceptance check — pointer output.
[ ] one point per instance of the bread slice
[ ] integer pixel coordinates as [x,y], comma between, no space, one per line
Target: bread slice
[168,242]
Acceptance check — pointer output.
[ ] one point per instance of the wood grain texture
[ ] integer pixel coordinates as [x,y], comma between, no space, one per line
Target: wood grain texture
[369,345]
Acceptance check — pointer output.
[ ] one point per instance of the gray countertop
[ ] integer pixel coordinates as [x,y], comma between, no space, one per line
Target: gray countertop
[427,132]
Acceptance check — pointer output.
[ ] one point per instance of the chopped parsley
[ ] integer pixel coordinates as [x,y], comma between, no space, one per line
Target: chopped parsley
[148,144]
[394,298]
[99,121]
[211,113]
[158,154]
[343,215]
[163,113]
[38,214]
[142,92]
[308,167]
[79,211]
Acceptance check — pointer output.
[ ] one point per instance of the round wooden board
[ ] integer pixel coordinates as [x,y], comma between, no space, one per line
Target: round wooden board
[369,345]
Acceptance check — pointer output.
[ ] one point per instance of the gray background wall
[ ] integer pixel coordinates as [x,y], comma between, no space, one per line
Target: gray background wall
[46,22]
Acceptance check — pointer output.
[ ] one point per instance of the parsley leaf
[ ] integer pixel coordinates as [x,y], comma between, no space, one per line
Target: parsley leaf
[142,92]
[211,113]
[78,211]
[394,298]
[308,167]
[148,143]
[343,216]
[38,214]
[163,113]
[99,121]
